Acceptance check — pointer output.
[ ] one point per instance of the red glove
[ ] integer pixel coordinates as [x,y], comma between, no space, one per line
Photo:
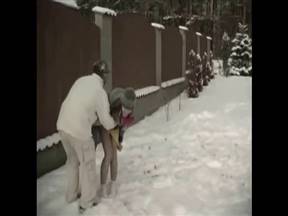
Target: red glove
[127,121]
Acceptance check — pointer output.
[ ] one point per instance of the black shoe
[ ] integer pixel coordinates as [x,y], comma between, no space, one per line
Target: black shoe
[81,210]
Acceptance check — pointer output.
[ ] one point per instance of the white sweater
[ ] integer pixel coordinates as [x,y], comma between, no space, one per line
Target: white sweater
[85,103]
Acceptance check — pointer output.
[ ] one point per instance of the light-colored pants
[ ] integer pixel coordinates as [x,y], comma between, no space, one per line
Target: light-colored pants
[81,169]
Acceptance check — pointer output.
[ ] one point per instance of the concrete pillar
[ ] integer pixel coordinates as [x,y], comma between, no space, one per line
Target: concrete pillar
[182,30]
[158,49]
[208,47]
[199,35]
[104,22]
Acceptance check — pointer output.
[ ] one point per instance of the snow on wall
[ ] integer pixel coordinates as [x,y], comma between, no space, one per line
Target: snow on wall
[183,28]
[145,91]
[172,82]
[69,3]
[48,141]
[157,25]
[103,10]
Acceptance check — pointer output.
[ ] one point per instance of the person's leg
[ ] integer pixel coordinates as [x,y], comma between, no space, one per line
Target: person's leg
[108,154]
[72,164]
[113,172]
[86,153]
[114,164]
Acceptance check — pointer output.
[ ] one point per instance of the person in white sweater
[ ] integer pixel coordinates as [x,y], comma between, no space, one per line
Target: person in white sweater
[86,102]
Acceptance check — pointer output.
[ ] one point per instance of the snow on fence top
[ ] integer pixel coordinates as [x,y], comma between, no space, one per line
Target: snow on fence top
[145,91]
[103,10]
[183,28]
[209,38]
[157,25]
[69,3]
[172,82]
[198,33]
[48,141]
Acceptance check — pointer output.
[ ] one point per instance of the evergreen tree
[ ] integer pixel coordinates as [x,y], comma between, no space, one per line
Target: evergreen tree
[240,59]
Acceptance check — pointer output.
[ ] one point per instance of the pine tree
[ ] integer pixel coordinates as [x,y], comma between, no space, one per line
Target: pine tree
[240,59]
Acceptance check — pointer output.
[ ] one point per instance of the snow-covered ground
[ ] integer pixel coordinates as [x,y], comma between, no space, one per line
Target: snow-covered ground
[197,163]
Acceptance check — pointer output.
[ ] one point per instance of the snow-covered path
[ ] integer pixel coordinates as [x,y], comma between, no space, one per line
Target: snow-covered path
[197,163]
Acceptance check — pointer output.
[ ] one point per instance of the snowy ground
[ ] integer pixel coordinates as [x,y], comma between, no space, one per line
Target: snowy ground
[197,163]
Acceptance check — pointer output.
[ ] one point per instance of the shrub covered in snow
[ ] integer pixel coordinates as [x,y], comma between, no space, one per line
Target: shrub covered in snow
[199,74]
[192,89]
[240,60]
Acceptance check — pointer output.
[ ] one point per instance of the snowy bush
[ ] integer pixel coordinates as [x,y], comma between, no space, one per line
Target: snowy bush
[192,89]
[240,60]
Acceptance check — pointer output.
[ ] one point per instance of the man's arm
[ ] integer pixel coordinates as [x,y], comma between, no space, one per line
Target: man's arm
[103,110]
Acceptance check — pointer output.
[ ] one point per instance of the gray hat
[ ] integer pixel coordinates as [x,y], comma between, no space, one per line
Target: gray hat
[127,97]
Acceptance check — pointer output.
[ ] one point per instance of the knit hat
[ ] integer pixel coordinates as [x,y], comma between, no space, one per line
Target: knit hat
[127,97]
[100,67]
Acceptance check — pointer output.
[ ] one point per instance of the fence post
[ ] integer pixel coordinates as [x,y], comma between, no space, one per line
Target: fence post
[103,19]
[182,30]
[158,50]
[208,47]
[199,35]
